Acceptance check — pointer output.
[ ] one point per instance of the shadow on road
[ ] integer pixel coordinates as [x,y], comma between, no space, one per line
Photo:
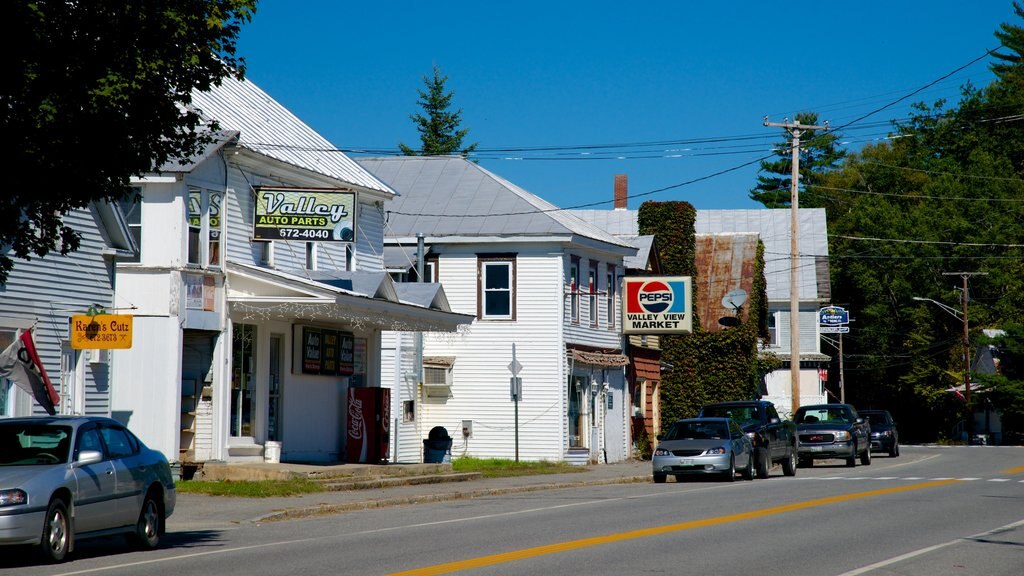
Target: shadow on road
[24,556]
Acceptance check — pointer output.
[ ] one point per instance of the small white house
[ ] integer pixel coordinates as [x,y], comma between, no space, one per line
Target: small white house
[534,278]
[258,293]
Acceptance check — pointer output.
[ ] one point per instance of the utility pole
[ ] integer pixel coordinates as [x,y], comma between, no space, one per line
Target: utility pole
[795,130]
[967,354]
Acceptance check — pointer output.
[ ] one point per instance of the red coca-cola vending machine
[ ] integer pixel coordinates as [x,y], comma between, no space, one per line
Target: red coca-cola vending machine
[369,431]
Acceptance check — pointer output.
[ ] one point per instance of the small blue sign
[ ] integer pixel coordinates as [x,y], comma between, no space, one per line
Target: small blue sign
[833,316]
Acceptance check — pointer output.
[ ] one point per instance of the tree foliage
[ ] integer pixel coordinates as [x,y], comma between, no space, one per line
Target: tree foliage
[705,366]
[94,93]
[819,154]
[945,195]
[439,130]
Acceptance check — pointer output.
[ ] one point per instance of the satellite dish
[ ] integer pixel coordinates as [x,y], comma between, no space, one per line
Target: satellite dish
[734,299]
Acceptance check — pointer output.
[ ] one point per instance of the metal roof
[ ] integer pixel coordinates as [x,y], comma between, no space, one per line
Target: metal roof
[442,196]
[773,226]
[270,129]
[724,262]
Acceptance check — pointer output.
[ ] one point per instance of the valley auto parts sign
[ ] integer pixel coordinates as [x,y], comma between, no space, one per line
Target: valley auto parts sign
[657,305]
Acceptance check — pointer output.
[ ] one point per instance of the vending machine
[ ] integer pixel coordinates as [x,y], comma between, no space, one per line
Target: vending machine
[369,432]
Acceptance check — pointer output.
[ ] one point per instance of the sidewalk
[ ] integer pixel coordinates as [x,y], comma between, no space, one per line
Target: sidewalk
[198,512]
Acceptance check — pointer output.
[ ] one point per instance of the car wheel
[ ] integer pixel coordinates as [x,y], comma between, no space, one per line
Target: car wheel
[895,450]
[789,464]
[147,529]
[730,475]
[660,478]
[748,472]
[763,460]
[852,460]
[56,540]
[865,458]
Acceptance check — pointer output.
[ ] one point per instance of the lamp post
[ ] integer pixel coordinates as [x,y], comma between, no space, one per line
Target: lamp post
[967,362]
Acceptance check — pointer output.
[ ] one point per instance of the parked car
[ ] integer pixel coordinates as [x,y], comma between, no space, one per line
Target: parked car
[703,446]
[884,437]
[832,431]
[68,477]
[774,439]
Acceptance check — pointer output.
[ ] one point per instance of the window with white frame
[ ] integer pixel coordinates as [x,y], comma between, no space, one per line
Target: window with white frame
[574,289]
[496,288]
[131,207]
[204,227]
[773,329]
[612,284]
[592,290]
[7,336]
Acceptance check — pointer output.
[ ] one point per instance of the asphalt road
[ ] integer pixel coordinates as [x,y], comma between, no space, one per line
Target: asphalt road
[931,511]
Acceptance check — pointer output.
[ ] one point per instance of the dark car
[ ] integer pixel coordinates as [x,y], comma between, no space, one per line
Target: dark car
[884,437]
[68,477]
[703,446]
[832,431]
[774,439]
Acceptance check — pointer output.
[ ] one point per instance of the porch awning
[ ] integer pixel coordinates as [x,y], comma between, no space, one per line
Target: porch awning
[599,358]
[257,293]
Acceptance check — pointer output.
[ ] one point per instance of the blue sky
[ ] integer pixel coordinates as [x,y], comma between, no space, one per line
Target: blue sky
[665,92]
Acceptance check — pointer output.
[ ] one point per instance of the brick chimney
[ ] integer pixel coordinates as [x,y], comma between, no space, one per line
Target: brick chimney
[621,192]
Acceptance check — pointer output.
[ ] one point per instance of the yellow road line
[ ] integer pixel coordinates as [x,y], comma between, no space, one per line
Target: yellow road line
[1013,470]
[655,531]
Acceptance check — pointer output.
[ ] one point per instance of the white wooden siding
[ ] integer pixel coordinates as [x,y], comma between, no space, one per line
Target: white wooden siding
[47,291]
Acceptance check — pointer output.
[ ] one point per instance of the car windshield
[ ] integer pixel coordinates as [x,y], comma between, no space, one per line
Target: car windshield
[741,414]
[822,415]
[876,419]
[24,444]
[697,431]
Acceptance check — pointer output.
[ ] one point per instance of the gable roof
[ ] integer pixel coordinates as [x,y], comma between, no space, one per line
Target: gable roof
[270,129]
[442,196]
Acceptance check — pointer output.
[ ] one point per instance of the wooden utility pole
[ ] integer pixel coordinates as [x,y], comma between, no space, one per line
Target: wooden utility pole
[967,354]
[795,130]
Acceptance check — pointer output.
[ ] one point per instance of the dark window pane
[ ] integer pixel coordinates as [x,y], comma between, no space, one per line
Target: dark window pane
[496,276]
[497,304]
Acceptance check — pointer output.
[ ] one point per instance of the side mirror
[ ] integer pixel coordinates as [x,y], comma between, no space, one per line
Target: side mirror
[773,420]
[860,420]
[660,437]
[89,457]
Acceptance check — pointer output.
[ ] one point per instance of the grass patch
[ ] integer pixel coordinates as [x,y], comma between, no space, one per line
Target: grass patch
[250,488]
[501,468]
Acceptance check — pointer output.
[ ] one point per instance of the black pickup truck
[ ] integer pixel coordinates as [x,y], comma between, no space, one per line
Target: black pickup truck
[774,439]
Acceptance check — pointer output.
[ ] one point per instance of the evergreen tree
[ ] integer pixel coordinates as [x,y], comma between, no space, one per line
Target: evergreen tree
[818,154]
[439,130]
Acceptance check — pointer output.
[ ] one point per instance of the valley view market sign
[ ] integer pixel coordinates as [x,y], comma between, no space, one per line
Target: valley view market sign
[657,305]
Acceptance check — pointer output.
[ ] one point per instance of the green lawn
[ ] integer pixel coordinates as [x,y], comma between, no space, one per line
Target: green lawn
[249,488]
[499,468]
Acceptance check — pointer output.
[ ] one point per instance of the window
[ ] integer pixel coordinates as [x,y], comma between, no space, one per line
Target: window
[6,386]
[88,440]
[409,411]
[118,444]
[610,300]
[310,256]
[592,290]
[496,298]
[204,227]
[131,207]
[264,252]
[773,329]
[574,289]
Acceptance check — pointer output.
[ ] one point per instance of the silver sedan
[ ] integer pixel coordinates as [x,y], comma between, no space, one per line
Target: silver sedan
[66,477]
[703,446]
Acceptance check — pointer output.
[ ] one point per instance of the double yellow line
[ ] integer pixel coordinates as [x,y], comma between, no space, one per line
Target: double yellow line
[656,531]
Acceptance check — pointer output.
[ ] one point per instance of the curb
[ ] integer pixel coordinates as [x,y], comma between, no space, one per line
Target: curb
[326,509]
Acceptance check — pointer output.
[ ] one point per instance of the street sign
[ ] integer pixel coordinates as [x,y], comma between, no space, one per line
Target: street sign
[515,367]
[833,316]
[101,331]
[515,388]
[834,329]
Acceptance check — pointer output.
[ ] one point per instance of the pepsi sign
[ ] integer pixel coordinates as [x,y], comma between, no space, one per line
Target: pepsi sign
[657,305]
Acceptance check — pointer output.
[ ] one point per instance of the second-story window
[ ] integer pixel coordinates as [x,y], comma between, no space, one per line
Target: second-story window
[592,289]
[610,293]
[131,207]
[496,288]
[574,289]
[204,227]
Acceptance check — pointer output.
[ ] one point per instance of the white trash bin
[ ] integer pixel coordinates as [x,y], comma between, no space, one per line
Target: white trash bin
[272,452]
